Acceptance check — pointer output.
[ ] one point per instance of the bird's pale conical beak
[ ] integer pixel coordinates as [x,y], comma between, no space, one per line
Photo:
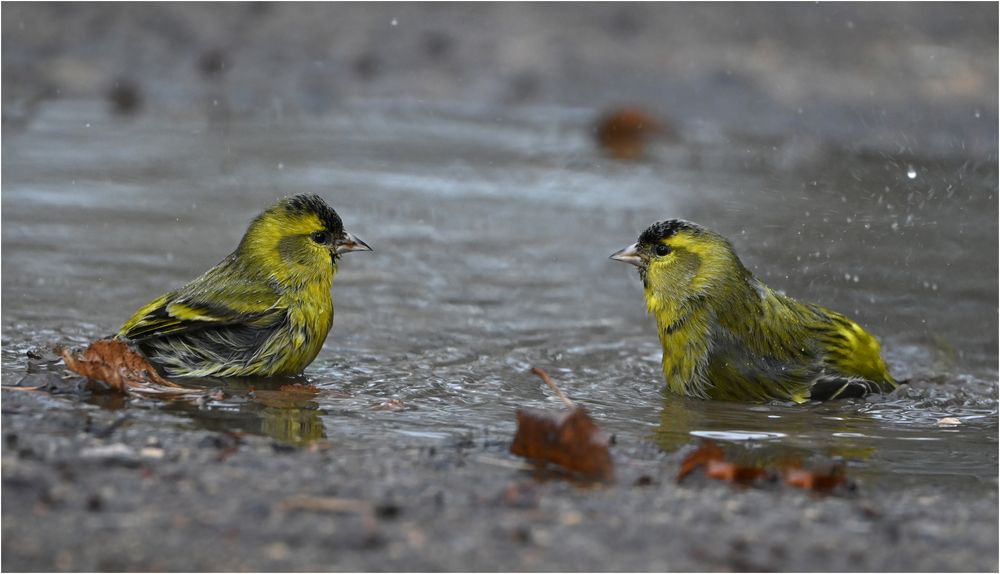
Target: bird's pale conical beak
[629,255]
[349,242]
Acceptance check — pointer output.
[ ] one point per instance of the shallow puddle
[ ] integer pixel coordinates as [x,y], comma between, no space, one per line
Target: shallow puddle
[492,231]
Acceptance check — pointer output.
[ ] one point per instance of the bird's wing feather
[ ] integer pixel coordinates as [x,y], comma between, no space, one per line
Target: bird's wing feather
[202,304]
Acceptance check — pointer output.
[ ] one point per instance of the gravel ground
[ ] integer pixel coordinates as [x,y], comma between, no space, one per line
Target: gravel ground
[85,489]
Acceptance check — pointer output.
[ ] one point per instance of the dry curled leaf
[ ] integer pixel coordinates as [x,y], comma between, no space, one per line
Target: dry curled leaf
[710,457]
[568,438]
[707,452]
[731,472]
[123,368]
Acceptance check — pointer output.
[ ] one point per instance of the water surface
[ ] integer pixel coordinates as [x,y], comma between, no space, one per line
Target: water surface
[492,230]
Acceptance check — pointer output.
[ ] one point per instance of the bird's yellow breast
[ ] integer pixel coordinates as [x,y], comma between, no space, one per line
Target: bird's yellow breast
[310,316]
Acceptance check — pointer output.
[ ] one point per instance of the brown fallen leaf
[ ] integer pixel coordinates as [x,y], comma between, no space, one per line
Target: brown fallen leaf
[810,480]
[116,363]
[568,438]
[711,457]
[707,452]
[624,132]
[731,472]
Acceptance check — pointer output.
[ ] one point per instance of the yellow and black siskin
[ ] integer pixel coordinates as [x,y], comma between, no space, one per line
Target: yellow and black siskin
[264,310]
[726,335]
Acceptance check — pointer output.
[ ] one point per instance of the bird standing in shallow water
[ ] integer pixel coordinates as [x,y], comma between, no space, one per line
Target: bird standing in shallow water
[264,310]
[726,335]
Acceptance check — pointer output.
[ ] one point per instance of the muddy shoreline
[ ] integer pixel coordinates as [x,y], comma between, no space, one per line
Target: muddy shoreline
[86,488]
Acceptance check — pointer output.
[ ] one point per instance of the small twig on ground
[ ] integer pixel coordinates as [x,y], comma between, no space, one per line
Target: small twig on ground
[548,381]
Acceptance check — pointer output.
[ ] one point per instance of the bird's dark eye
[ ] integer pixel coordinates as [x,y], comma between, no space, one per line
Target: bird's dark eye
[661,249]
[321,237]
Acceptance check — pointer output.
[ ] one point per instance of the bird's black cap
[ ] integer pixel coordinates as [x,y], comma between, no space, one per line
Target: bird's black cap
[311,203]
[664,229]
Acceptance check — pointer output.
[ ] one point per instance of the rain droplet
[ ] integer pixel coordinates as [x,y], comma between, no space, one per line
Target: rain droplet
[911,172]
[394,22]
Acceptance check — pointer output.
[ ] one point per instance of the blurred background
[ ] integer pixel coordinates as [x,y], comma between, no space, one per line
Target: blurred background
[900,77]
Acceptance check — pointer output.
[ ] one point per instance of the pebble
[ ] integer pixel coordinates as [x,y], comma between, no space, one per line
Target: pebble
[151,452]
[116,451]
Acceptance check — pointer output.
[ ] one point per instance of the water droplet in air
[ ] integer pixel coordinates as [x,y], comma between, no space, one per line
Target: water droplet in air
[911,172]
[394,22]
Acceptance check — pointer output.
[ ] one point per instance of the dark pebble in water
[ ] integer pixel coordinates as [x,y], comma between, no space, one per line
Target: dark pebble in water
[125,97]
[213,63]
[105,432]
[388,510]
[644,480]
[522,534]
[625,23]
[282,447]
[523,86]
[219,441]
[258,9]
[366,66]
[437,44]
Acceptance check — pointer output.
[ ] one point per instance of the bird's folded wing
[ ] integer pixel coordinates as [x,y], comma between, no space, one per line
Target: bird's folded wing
[183,312]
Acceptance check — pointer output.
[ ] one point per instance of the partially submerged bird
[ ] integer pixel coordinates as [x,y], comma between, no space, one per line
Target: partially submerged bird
[264,310]
[726,335]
